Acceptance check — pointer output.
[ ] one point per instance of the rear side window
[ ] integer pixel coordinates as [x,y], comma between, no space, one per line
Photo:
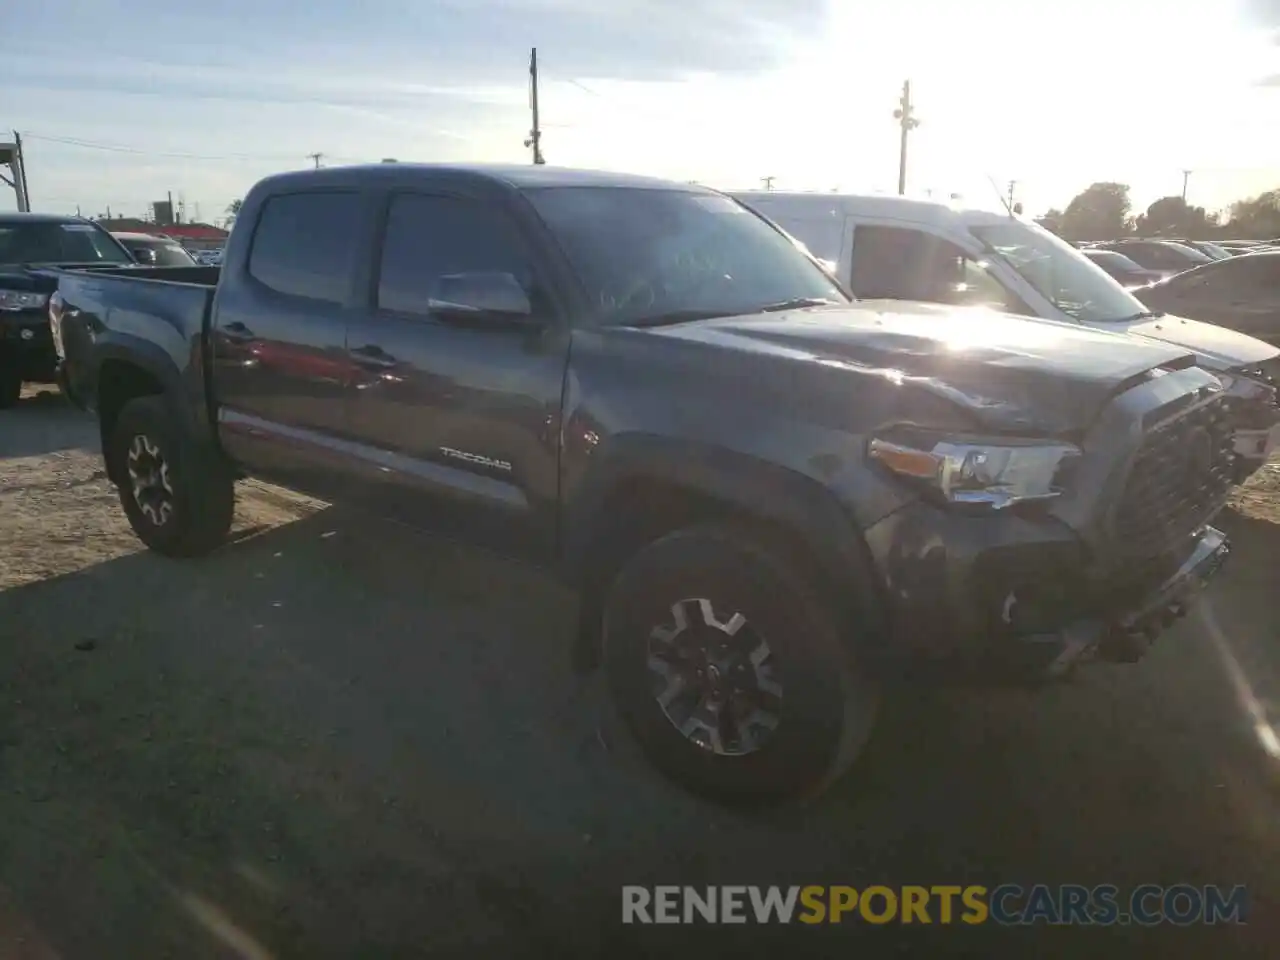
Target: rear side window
[305,244]
[429,237]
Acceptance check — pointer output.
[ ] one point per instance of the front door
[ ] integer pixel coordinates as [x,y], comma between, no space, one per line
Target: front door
[462,416]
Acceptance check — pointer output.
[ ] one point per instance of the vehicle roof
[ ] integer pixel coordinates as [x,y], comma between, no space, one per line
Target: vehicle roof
[510,175]
[873,205]
[128,235]
[41,218]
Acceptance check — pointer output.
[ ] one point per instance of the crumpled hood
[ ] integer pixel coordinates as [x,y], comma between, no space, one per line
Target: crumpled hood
[1216,348]
[1009,373]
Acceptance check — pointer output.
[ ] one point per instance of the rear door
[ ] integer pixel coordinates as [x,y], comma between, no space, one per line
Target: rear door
[460,416]
[280,364]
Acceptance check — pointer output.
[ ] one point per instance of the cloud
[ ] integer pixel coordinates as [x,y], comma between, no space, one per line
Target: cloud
[456,42]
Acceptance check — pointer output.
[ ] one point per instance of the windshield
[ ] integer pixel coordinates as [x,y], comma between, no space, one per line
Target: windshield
[1059,272]
[1116,260]
[168,254]
[1213,250]
[646,254]
[1190,254]
[45,241]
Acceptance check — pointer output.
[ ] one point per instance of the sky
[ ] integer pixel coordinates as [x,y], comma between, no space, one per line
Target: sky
[120,103]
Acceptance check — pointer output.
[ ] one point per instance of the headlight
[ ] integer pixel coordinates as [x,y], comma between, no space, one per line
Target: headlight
[20,300]
[996,473]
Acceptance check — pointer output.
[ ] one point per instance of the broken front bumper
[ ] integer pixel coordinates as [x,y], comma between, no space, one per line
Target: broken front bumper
[1126,638]
[979,598]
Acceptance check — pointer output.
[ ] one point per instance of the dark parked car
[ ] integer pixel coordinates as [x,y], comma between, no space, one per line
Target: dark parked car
[28,242]
[156,251]
[1242,293]
[1121,268]
[1163,256]
[770,498]
[1210,249]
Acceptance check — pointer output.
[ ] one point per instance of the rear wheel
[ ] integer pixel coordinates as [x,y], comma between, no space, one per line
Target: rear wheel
[734,673]
[178,494]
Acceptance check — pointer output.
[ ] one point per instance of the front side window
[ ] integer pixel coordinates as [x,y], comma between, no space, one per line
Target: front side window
[429,237]
[646,255]
[45,241]
[305,244]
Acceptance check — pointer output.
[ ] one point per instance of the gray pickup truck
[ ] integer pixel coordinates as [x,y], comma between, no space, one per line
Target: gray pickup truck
[773,499]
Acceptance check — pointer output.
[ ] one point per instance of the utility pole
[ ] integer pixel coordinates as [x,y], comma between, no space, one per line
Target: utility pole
[316,157]
[535,134]
[905,115]
[1186,175]
[1012,185]
[11,156]
[768,182]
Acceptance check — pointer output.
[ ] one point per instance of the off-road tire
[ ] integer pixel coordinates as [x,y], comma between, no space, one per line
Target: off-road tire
[203,488]
[828,701]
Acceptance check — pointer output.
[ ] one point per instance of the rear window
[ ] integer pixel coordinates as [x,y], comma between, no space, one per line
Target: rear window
[305,244]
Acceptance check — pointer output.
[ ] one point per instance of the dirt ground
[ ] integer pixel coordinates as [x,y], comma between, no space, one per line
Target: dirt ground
[338,738]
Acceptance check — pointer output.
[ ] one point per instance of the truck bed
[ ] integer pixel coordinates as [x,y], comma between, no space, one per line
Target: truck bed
[150,311]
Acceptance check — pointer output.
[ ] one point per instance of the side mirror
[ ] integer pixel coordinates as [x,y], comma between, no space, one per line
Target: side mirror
[480,294]
[145,256]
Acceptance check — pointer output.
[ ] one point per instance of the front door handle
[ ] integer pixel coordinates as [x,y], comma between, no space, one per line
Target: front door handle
[372,355]
[237,332]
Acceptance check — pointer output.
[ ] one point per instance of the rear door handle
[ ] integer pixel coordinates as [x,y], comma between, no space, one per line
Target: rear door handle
[372,355]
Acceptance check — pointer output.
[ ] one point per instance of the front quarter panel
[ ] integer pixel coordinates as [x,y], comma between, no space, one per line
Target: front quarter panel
[745,430]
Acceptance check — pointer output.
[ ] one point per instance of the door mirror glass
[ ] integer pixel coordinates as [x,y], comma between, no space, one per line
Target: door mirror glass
[480,293]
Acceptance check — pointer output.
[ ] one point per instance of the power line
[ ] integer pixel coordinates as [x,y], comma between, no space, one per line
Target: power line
[175,155]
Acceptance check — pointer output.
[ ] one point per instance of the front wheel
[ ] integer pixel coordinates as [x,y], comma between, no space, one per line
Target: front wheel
[177,493]
[734,673]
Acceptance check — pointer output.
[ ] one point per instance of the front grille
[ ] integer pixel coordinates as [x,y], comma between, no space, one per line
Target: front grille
[1179,479]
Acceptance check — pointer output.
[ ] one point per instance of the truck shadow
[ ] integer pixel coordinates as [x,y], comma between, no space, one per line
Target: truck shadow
[44,422]
[339,737]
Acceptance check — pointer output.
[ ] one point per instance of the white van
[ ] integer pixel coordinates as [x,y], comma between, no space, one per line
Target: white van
[899,248]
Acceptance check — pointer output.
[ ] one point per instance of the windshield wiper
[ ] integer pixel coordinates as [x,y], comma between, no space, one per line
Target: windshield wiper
[677,316]
[797,303]
[688,316]
[1141,315]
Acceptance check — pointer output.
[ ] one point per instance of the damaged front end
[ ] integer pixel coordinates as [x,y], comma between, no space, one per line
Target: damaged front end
[1253,393]
[1106,545]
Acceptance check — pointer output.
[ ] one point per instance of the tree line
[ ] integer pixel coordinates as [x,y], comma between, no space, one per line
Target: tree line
[1103,211]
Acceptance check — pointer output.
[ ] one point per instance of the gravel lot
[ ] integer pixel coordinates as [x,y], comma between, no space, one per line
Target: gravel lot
[337,738]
